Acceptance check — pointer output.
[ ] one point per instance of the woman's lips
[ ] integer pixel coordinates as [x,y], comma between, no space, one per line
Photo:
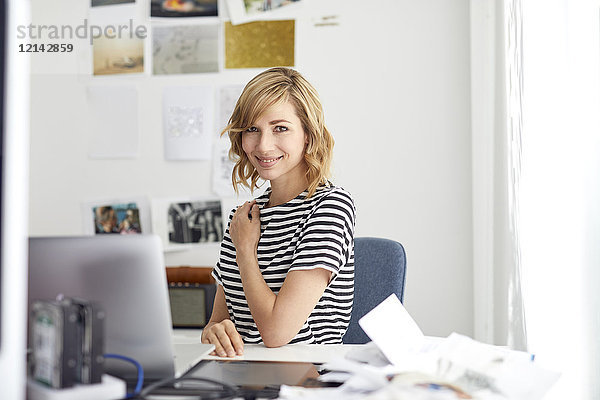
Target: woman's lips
[268,162]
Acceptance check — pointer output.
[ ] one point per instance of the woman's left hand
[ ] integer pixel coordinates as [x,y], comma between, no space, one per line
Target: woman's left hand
[245,232]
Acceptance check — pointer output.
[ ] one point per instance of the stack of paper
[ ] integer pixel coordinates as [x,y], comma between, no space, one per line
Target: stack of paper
[402,363]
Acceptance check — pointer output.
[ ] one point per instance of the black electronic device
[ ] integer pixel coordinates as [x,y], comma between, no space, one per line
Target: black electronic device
[67,342]
[253,376]
[92,340]
[55,340]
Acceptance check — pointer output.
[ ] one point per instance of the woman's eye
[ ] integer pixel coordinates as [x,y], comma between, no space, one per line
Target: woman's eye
[281,129]
[252,129]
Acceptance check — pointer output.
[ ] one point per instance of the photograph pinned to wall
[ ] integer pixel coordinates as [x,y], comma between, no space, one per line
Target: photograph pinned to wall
[116,216]
[188,122]
[243,11]
[260,44]
[118,55]
[98,3]
[112,122]
[183,8]
[222,165]
[186,222]
[189,49]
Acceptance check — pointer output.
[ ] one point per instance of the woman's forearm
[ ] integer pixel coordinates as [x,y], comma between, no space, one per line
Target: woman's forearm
[261,299]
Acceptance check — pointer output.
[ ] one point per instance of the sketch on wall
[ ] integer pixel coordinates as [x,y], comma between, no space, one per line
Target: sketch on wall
[188,122]
[187,49]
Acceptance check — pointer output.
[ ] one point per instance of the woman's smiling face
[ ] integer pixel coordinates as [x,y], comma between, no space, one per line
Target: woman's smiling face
[275,144]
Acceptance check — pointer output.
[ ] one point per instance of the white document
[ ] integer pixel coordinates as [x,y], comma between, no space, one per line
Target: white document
[188,123]
[228,96]
[113,125]
[222,165]
[393,330]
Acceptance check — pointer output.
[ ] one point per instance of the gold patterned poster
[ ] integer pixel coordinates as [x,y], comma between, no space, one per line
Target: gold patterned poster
[260,44]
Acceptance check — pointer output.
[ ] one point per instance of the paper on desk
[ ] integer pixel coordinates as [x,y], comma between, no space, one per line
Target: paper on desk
[393,330]
[368,353]
[478,367]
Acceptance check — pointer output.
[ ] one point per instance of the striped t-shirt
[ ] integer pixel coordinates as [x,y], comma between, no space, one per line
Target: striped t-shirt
[301,234]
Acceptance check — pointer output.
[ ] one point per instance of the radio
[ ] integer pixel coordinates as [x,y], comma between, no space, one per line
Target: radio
[192,293]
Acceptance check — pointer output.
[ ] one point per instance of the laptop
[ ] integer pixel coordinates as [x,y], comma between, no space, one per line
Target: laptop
[126,275]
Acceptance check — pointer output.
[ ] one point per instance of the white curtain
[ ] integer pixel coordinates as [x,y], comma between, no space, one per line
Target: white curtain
[496,108]
[516,335]
[559,192]
[536,136]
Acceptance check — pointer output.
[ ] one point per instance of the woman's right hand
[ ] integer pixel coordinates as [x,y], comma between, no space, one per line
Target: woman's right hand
[227,340]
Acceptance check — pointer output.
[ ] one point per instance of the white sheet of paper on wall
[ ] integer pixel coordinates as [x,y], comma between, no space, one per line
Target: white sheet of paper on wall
[113,125]
[188,123]
[222,165]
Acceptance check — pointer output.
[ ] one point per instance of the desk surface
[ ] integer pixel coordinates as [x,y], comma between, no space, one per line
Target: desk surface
[187,350]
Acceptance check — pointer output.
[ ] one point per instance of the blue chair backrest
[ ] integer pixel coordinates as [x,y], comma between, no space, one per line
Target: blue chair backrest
[379,270]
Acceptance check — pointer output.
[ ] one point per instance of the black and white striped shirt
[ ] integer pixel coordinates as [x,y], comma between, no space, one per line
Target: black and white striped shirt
[302,234]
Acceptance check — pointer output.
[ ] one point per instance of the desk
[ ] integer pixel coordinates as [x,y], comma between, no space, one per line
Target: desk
[186,347]
[185,339]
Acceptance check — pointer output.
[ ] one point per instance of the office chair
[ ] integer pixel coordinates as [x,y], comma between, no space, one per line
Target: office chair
[379,270]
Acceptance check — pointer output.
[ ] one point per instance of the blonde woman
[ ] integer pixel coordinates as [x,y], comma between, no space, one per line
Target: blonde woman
[286,268]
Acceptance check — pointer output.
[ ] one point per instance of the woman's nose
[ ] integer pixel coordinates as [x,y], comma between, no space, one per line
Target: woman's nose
[265,142]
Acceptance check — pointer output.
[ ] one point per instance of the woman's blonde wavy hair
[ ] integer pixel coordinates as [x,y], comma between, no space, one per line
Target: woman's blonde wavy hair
[271,87]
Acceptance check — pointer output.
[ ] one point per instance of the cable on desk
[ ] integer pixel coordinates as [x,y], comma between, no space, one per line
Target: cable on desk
[140,372]
[225,391]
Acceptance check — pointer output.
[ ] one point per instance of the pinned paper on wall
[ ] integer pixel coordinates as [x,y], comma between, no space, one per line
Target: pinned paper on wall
[123,216]
[188,123]
[222,165]
[187,221]
[118,47]
[118,55]
[243,11]
[112,122]
[183,8]
[189,49]
[261,44]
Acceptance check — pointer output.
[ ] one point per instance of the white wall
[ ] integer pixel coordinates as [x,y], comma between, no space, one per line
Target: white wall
[394,80]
